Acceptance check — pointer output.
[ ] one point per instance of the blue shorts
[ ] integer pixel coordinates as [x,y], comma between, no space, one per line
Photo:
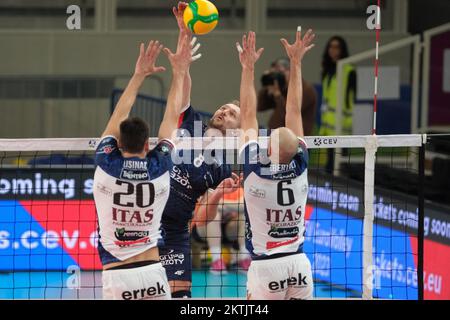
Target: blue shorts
[176,259]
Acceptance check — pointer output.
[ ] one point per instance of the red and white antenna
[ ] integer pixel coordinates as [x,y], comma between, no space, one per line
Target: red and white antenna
[375,99]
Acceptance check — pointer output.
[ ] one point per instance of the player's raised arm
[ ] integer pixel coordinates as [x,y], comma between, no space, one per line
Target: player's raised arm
[248,57]
[210,201]
[180,62]
[184,31]
[296,52]
[145,66]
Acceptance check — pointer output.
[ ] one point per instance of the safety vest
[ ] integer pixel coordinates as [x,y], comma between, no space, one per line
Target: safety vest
[329,105]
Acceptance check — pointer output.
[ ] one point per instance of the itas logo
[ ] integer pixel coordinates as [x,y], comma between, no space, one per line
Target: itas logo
[128,238]
[283,216]
[325,141]
[146,293]
[298,282]
[129,218]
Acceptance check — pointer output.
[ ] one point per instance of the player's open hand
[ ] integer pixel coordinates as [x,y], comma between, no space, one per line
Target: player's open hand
[178,12]
[230,185]
[299,48]
[247,52]
[145,64]
[185,55]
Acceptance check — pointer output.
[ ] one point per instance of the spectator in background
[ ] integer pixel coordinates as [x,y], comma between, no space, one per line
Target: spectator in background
[273,95]
[336,49]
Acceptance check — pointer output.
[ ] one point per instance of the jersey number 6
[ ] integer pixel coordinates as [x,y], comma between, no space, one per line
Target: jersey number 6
[282,190]
[139,194]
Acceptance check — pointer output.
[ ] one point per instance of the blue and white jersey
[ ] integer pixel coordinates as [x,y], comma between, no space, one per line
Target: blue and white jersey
[189,181]
[275,201]
[130,196]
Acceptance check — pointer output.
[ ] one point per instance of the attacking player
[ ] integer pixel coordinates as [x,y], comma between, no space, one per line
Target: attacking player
[132,184]
[191,181]
[276,186]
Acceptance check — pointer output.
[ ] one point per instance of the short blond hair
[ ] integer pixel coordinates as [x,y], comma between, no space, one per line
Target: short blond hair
[236,103]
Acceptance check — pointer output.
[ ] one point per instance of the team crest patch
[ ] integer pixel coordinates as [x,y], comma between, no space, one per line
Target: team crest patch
[108,149]
[165,149]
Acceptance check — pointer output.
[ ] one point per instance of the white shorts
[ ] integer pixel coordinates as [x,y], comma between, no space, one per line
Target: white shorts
[284,278]
[148,282]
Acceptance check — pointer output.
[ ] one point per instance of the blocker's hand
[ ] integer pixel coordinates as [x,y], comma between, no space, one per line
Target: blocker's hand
[247,52]
[299,48]
[145,65]
[182,59]
[178,12]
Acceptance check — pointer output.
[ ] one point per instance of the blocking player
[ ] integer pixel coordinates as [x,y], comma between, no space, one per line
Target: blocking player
[132,185]
[275,187]
[190,181]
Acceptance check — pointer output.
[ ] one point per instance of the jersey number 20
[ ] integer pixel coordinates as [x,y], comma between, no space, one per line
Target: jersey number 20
[139,194]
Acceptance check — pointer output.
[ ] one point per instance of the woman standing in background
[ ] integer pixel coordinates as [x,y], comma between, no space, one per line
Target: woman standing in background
[336,50]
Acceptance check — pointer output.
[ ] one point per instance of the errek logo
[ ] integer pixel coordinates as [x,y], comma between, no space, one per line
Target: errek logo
[299,281]
[145,293]
[325,141]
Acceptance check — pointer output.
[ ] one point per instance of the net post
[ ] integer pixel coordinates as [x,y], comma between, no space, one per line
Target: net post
[421,217]
[369,191]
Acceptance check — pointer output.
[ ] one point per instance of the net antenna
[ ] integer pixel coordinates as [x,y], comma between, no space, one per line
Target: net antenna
[369,178]
[375,98]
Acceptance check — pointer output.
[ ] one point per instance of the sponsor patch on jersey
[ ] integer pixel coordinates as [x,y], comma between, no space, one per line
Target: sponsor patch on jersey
[255,192]
[126,238]
[277,244]
[181,177]
[134,175]
[104,189]
[276,232]
[162,192]
[134,170]
[172,258]
[165,147]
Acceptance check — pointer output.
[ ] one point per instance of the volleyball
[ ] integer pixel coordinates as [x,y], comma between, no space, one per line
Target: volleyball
[201,17]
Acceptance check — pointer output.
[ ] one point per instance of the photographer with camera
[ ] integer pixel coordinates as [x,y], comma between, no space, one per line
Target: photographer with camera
[274,92]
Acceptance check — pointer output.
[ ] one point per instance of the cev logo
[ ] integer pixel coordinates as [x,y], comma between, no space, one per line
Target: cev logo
[325,141]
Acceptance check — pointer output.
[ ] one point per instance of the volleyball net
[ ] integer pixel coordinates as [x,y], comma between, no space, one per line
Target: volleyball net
[363,218]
